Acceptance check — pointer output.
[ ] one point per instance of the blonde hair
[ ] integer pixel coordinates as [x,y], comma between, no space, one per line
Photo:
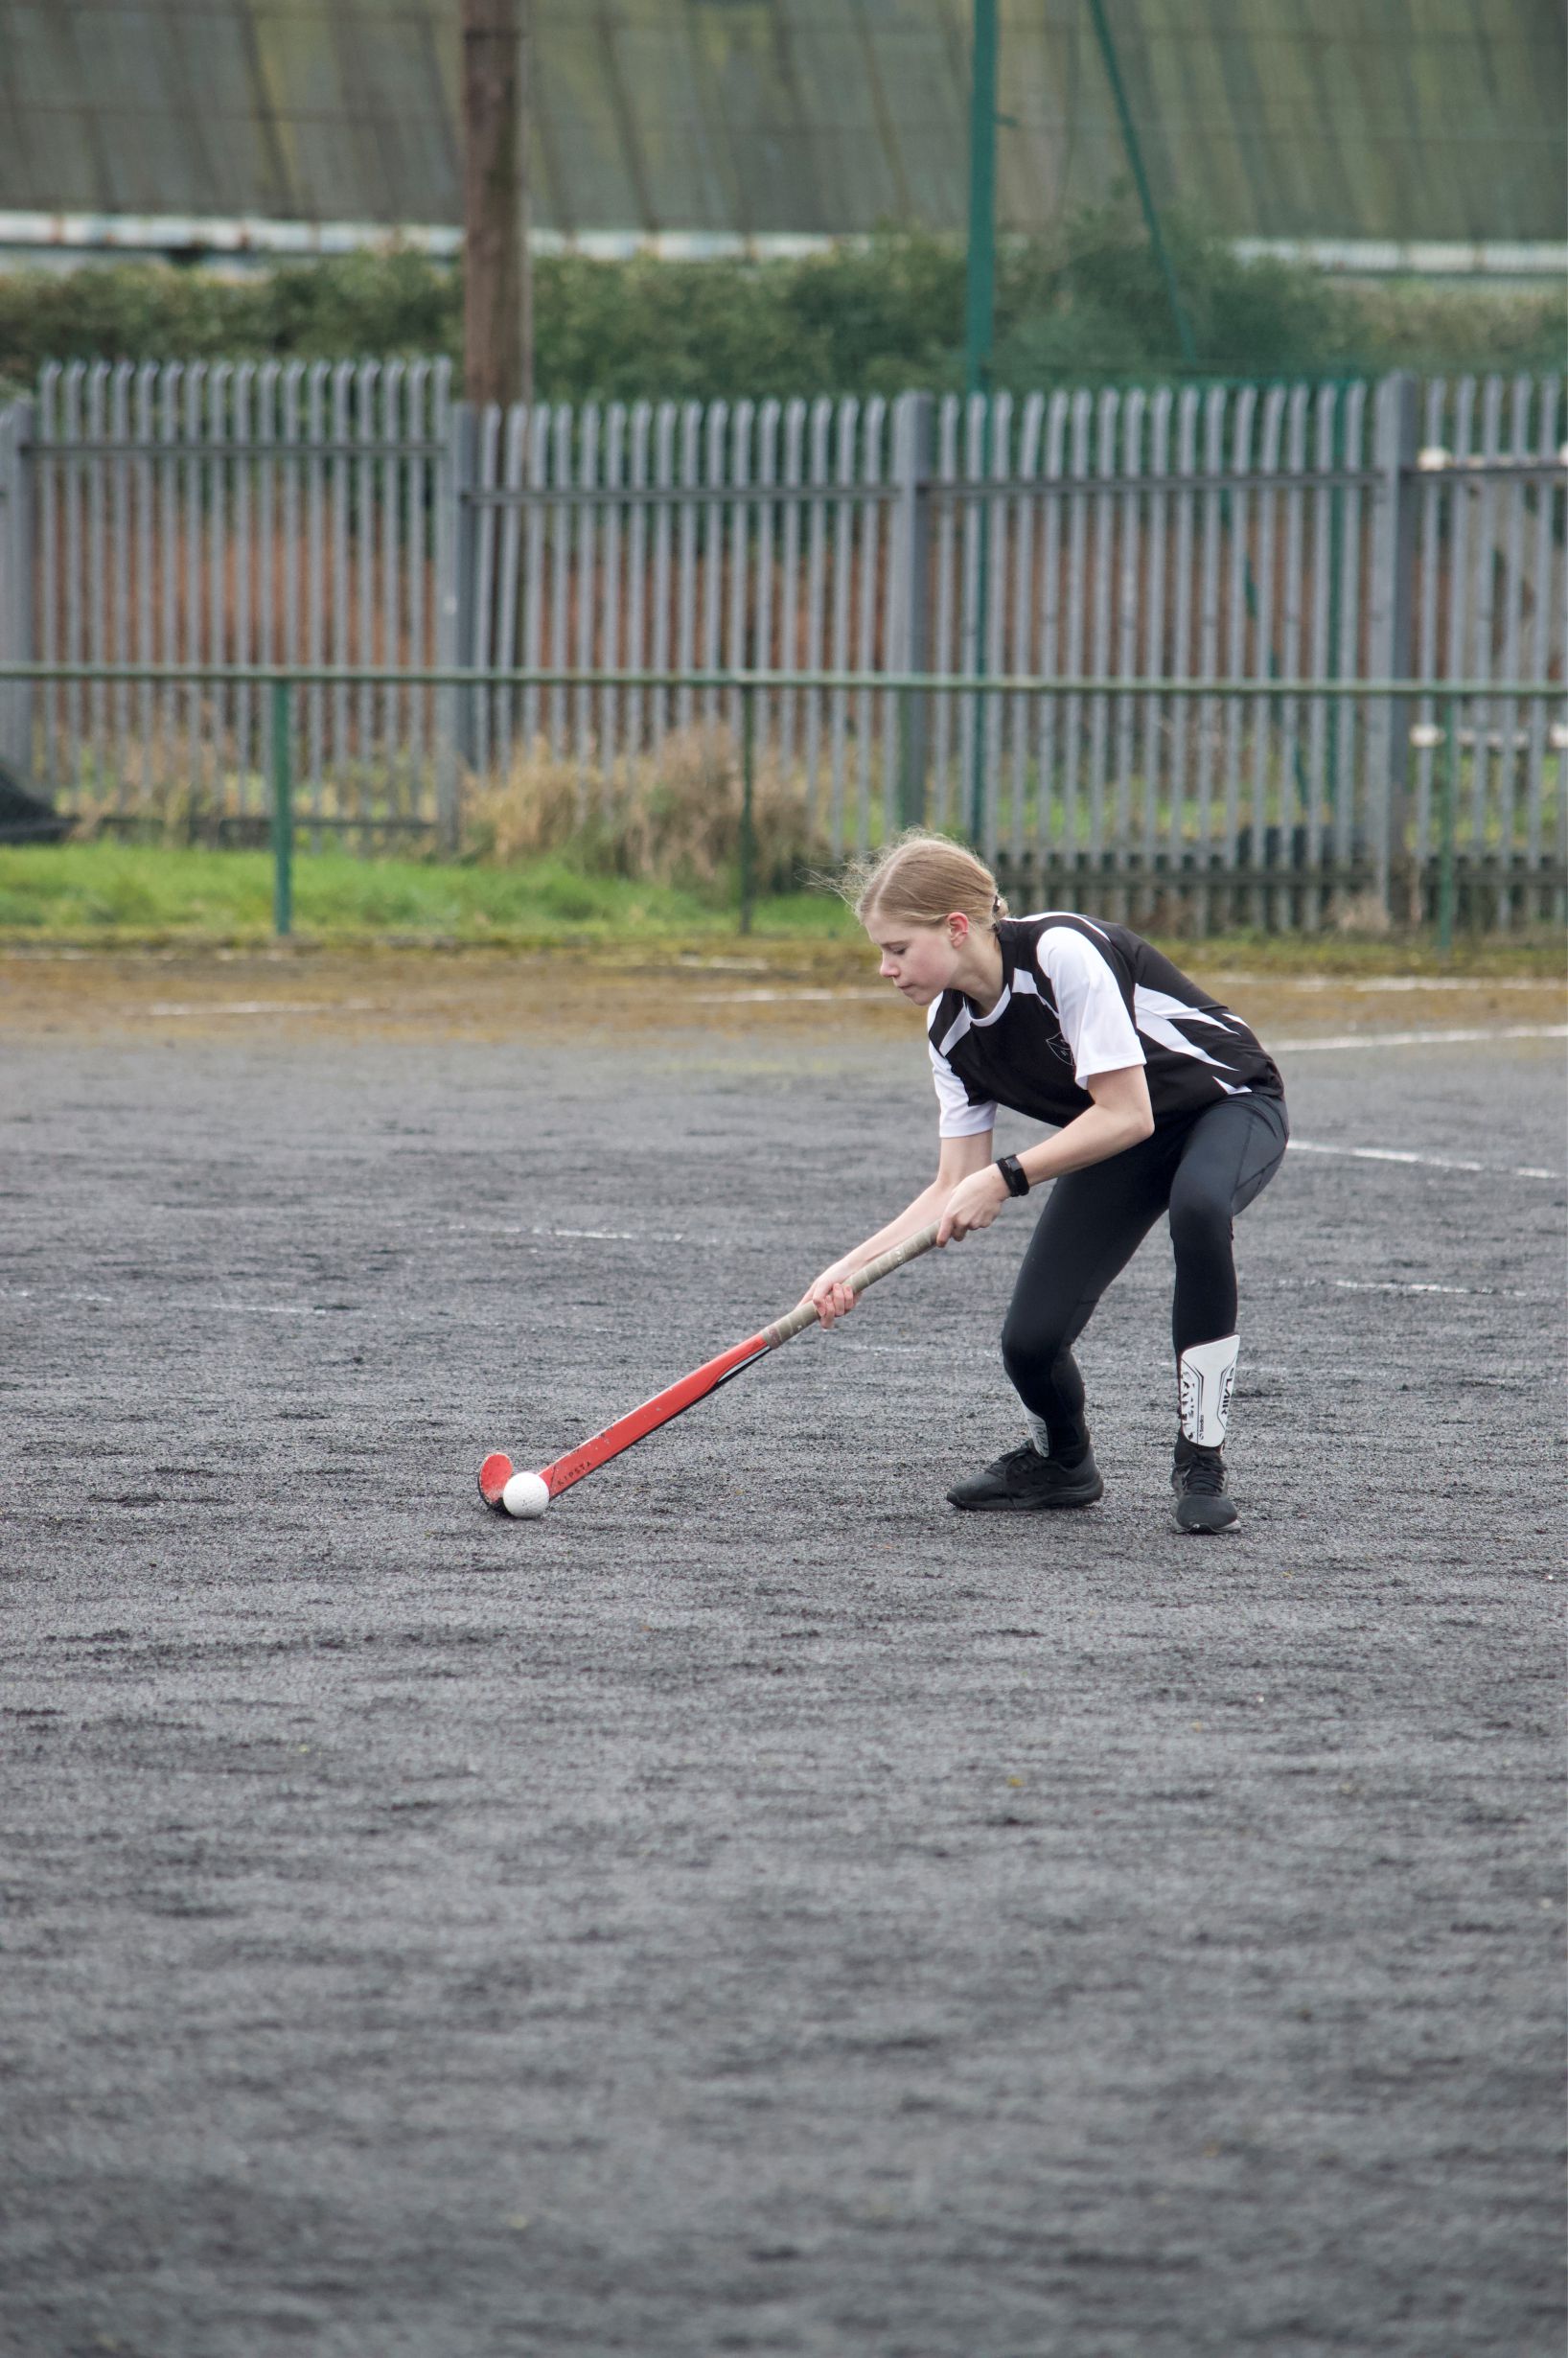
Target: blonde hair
[922,880]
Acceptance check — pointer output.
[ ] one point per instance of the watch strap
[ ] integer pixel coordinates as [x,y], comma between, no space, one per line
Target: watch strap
[1013,1173]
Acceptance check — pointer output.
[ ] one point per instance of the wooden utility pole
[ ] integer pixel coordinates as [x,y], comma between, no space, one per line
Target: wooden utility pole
[498,308]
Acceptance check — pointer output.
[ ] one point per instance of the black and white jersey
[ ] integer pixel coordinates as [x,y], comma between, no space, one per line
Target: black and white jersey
[1078,998]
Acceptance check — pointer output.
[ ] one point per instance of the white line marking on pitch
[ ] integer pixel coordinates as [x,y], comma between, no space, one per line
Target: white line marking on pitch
[764,997]
[1402,1285]
[1286,1048]
[261,1007]
[1342,985]
[265,1310]
[1422,1039]
[1428,1161]
[1345,1285]
[606,1236]
[246,1310]
[31,1293]
[170,1008]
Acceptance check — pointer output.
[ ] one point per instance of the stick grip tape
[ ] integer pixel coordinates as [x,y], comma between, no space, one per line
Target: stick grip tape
[804,1314]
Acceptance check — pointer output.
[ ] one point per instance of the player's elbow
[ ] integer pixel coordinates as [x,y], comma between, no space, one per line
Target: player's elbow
[1136,1109]
[1129,1114]
[1121,1099]
[1133,1123]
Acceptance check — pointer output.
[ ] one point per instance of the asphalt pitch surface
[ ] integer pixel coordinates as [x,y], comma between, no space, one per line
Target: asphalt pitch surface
[754,1910]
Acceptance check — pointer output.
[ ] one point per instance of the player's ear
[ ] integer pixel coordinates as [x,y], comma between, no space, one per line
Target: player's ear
[957,929]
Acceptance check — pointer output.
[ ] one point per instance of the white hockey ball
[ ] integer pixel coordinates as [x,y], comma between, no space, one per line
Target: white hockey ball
[526,1496]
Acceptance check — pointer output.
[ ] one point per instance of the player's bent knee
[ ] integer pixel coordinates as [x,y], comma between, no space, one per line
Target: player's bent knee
[1038,1363]
[1028,1350]
[1199,1224]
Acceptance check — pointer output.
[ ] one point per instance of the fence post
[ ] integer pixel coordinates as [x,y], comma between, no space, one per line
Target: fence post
[912,441]
[1393,649]
[1449,827]
[979,635]
[282,810]
[749,812]
[454,588]
[16,584]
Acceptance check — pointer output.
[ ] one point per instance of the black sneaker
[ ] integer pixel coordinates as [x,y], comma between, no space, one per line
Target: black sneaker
[1022,1482]
[1198,1479]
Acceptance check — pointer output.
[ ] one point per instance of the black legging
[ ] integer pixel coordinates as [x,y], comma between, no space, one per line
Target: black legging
[1204,1171]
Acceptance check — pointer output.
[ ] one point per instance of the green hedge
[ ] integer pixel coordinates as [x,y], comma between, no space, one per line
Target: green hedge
[1082,305]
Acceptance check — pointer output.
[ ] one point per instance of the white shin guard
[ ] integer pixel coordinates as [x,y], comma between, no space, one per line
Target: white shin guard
[1208,1372]
[1040,1433]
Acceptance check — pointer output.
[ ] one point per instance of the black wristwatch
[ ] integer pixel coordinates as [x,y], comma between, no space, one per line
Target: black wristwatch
[1013,1173]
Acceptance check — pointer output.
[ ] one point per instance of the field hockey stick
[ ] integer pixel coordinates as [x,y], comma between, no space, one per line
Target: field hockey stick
[497,1471]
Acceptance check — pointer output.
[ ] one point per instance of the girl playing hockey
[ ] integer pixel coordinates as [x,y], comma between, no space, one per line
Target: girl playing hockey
[1164,1101]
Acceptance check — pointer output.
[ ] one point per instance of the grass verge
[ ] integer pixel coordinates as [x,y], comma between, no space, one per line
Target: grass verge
[112,895]
[118,894]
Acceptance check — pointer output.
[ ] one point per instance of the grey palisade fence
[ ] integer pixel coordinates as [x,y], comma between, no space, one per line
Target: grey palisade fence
[359,516]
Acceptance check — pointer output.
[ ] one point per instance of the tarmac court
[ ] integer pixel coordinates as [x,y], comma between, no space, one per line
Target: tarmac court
[757,1909]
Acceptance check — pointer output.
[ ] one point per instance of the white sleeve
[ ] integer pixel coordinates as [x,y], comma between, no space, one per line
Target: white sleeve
[959,1117]
[1090,1008]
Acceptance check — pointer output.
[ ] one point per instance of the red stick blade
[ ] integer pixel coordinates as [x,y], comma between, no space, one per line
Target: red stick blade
[493,1476]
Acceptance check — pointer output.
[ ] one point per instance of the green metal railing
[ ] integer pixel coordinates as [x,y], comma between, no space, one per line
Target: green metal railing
[282,683]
